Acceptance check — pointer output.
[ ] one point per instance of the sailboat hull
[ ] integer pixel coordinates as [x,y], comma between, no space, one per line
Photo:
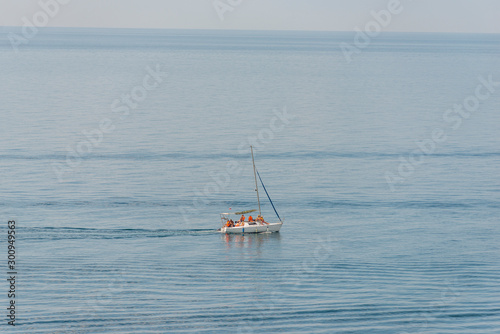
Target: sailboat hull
[252,229]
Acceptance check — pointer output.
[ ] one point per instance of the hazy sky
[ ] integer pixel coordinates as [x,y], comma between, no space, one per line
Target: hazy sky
[337,15]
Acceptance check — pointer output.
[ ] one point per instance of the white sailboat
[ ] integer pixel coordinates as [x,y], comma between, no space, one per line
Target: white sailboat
[257,226]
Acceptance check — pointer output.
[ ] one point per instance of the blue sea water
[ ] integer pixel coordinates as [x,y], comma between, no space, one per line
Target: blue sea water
[391,199]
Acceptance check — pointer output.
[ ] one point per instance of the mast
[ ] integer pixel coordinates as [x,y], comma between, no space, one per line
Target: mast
[255,176]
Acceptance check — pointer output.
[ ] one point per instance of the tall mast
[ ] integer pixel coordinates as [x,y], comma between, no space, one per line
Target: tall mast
[255,176]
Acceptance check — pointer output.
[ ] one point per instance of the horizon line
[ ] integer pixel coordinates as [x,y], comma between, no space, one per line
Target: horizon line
[256,30]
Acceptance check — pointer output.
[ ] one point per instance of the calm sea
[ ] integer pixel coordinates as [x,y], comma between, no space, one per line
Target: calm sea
[119,149]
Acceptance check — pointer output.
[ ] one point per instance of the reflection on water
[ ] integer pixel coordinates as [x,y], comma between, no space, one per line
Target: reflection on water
[254,240]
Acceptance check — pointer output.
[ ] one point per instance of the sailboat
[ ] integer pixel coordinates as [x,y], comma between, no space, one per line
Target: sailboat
[258,226]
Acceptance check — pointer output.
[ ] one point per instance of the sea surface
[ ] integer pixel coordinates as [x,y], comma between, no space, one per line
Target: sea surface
[383,163]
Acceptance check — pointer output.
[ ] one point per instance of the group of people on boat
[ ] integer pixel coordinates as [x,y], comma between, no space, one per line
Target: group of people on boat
[241,222]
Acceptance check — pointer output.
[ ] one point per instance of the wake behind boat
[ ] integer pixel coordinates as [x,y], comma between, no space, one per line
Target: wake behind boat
[258,225]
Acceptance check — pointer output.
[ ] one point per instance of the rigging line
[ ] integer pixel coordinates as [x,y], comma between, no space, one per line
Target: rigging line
[263,186]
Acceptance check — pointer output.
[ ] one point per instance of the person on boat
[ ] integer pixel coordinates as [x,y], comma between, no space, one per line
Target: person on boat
[250,218]
[260,219]
[228,223]
[242,218]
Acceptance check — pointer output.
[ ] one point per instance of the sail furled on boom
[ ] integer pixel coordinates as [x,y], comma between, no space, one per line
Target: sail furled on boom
[244,212]
[263,186]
